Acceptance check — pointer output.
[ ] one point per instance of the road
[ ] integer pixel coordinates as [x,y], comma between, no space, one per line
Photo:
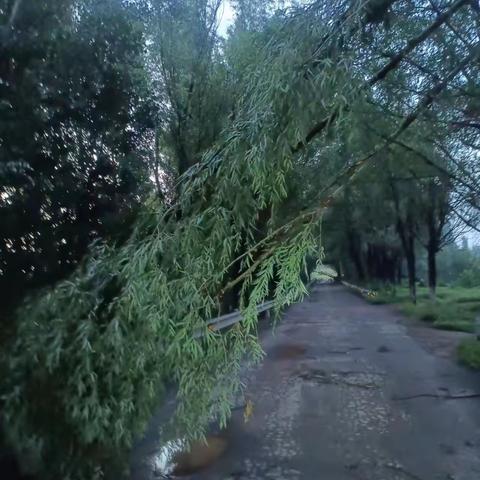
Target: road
[348,391]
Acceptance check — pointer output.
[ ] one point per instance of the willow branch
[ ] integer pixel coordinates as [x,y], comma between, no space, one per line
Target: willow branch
[414,42]
[465,220]
[386,69]
[248,271]
[431,163]
[7,28]
[347,176]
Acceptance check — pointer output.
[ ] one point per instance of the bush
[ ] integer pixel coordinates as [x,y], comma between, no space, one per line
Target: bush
[470,277]
[469,353]
[429,316]
[426,312]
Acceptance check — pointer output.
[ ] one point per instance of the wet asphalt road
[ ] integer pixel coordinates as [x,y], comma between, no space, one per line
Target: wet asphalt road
[347,392]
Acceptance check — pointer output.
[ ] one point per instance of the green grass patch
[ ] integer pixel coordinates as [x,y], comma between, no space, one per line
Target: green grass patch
[456,326]
[469,353]
[455,308]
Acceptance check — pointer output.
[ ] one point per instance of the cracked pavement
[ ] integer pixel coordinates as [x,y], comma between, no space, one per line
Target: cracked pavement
[347,392]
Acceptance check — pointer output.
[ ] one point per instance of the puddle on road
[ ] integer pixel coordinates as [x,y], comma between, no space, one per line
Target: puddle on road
[288,351]
[175,459]
[384,349]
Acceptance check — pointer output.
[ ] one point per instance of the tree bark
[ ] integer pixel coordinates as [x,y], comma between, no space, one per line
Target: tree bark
[411,267]
[399,270]
[406,232]
[432,271]
[156,165]
[436,218]
[355,256]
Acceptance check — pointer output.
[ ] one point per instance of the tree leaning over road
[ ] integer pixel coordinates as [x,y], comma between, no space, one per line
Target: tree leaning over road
[107,341]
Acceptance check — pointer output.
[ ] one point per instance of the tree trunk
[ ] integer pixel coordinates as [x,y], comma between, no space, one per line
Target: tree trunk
[339,272]
[410,256]
[432,271]
[434,234]
[355,256]
[407,237]
[399,270]
[156,165]
[406,231]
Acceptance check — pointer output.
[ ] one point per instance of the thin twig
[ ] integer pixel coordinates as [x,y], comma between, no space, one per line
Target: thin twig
[437,395]
[248,271]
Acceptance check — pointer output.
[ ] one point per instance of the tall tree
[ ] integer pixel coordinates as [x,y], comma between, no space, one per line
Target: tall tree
[191,80]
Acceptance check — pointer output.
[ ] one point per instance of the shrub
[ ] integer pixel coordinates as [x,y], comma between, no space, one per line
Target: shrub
[469,353]
[470,277]
[429,316]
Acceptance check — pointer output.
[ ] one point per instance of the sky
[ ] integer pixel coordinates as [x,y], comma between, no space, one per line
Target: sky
[473,238]
[226,16]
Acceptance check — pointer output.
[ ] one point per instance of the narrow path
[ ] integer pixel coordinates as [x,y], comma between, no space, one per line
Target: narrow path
[347,392]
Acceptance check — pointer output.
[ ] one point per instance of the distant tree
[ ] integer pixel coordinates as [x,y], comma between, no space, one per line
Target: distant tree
[439,227]
[190,79]
[471,276]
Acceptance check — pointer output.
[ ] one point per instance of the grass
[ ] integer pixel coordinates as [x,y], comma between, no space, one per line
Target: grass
[469,353]
[454,309]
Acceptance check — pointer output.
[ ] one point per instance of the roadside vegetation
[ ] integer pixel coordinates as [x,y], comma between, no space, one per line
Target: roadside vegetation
[469,353]
[455,308]
[453,305]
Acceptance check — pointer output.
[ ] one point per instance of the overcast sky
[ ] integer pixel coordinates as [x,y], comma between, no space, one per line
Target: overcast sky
[225,17]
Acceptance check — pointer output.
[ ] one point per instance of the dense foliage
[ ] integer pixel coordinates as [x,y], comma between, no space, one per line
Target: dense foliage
[427,182]
[300,113]
[73,111]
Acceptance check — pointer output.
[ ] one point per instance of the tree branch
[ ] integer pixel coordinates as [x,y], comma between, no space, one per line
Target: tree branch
[431,163]
[436,395]
[386,69]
